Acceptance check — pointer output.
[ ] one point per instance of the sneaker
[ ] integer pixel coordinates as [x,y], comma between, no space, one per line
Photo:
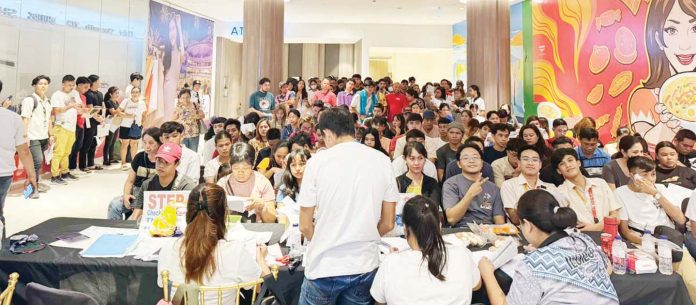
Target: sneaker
[43,188]
[58,181]
[69,176]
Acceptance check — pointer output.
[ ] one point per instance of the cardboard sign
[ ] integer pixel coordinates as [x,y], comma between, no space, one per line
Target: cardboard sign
[155,202]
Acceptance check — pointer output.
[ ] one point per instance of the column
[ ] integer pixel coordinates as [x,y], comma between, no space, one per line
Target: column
[488,49]
[263,45]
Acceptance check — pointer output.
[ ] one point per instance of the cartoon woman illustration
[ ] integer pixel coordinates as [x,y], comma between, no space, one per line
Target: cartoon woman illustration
[670,38]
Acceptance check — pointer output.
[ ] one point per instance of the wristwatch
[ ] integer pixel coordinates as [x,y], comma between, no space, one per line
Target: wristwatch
[657,196]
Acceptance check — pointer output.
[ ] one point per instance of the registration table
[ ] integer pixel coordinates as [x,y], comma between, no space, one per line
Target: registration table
[108,280]
[130,281]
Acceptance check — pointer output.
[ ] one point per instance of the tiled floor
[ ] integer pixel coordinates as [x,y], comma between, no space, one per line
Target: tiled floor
[85,198]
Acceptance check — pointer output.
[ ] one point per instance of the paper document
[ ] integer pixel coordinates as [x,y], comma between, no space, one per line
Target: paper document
[147,248]
[111,245]
[387,243]
[237,231]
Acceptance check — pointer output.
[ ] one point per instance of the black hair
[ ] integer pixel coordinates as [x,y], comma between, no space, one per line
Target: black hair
[474,139]
[274,148]
[502,113]
[498,127]
[588,133]
[234,122]
[273,134]
[525,147]
[211,131]
[368,83]
[400,117]
[489,124]
[531,118]
[468,145]
[292,188]
[93,78]
[443,121]
[36,80]
[411,92]
[172,126]
[68,78]
[477,90]
[184,91]
[338,121]
[414,133]
[514,145]
[242,152]
[295,112]
[417,146]
[380,106]
[685,134]
[110,92]
[490,113]
[301,139]
[222,135]
[442,92]
[135,76]
[443,105]
[81,80]
[626,143]
[449,83]
[252,117]
[155,133]
[559,154]
[641,162]
[411,79]
[0,86]
[540,145]
[662,145]
[562,140]
[264,80]
[540,208]
[412,117]
[421,218]
[378,143]
[559,122]
[356,76]
[380,120]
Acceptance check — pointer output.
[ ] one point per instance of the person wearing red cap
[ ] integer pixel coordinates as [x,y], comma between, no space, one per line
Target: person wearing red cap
[166,179]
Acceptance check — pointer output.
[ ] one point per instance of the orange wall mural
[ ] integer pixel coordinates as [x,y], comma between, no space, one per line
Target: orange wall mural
[621,62]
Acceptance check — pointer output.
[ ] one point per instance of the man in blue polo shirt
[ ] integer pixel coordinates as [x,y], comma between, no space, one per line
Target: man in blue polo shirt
[592,157]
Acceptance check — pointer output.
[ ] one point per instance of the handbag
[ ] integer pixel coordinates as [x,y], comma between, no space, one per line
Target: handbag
[135,131]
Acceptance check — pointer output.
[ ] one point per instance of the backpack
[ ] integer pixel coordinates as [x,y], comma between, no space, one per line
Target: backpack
[18,108]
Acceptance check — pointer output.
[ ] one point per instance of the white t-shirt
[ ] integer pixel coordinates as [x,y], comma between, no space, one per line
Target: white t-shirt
[348,199]
[208,150]
[39,118]
[479,102]
[235,263]
[641,210]
[399,167]
[403,279]
[67,119]
[11,136]
[190,164]
[130,107]
[211,169]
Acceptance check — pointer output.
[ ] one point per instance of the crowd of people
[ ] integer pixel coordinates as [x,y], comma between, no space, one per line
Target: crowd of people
[344,149]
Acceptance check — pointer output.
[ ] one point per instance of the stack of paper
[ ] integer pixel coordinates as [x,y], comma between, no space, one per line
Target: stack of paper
[237,231]
[111,245]
[93,233]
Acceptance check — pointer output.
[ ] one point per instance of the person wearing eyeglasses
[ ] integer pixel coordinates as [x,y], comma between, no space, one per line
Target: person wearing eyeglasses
[204,256]
[245,182]
[469,197]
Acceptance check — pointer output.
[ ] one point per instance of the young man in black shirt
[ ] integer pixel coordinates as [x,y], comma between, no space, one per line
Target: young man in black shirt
[501,136]
[685,140]
[448,152]
[89,144]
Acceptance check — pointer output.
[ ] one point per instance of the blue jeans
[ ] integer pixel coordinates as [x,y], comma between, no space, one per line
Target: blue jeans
[5,183]
[341,290]
[117,210]
[37,147]
[191,143]
[690,242]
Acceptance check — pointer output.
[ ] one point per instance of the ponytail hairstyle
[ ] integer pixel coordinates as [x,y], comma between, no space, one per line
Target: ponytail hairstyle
[109,93]
[292,188]
[421,219]
[542,209]
[205,218]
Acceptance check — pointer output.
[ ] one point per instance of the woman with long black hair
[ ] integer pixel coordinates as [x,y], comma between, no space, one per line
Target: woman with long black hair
[371,139]
[565,268]
[531,134]
[431,271]
[111,99]
[293,174]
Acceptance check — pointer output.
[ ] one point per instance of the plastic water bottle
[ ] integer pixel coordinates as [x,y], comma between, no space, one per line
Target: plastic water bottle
[648,242]
[664,252]
[618,255]
[295,241]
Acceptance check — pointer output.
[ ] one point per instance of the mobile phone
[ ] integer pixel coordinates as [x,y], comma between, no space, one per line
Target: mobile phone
[28,191]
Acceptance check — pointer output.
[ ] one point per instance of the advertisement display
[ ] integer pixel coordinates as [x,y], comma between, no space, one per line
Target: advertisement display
[621,62]
[179,51]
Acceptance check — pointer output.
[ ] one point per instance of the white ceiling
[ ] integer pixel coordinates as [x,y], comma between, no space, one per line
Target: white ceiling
[342,11]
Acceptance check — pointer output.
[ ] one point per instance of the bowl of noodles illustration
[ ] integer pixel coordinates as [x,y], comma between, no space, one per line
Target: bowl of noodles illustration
[548,110]
[678,94]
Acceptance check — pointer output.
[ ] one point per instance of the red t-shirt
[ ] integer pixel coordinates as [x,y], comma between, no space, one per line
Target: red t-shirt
[328,98]
[396,103]
[80,119]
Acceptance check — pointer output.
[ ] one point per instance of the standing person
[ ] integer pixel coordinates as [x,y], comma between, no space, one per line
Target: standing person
[553,274]
[262,102]
[96,99]
[325,94]
[196,92]
[364,101]
[36,115]
[345,98]
[133,109]
[396,101]
[189,114]
[65,108]
[474,94]
[135,80]
[82,85]
[448,152]
[348,223]
[13,139]
[112,111]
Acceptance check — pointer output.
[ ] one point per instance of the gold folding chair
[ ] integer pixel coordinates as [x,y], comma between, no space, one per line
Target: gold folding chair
[219,289]
[6,295]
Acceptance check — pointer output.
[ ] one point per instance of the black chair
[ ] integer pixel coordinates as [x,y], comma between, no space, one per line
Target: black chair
[37,294]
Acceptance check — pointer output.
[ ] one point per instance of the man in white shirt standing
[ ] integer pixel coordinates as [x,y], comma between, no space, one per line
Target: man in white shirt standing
[36,115]
[190,163]
[355,205]
[65,104]
[12,139]
[135,80]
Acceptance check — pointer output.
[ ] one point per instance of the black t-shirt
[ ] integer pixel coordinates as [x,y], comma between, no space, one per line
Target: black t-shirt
[110,105]
[143,168]
[685,159]
[95,100]
[156,186]
[490,154]
[445,155]
[682,176]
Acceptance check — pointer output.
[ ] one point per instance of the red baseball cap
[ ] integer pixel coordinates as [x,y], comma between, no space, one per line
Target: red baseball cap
[170,152]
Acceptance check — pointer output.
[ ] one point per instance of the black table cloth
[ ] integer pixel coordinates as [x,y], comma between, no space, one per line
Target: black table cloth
[109,280]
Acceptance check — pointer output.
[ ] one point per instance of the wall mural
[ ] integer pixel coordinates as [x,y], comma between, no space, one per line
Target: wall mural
[621,62]
[459,46]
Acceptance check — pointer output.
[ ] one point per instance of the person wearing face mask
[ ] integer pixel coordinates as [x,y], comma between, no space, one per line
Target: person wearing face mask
[36,115]
[669,171]
[644,206]
[566,268]
[616,173]
[325,94]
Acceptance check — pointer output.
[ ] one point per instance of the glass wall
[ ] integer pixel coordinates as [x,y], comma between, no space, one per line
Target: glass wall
[78,37]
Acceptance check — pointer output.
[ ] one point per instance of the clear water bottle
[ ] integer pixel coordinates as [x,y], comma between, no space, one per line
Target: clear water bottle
[648,242]
[618,255]
[664,251]
[294,241]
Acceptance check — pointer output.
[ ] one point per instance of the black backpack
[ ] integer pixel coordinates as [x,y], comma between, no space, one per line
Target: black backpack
[18,108]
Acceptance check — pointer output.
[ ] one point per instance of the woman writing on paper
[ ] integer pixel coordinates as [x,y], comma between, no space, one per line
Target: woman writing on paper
[582,277]
[244,181]
[203,256]
[430,271]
